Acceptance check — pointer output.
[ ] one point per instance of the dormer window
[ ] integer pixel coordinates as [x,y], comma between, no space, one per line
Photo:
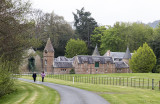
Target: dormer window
[96,64]
[46,51]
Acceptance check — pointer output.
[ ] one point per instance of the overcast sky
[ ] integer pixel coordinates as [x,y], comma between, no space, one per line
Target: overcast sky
[105,12]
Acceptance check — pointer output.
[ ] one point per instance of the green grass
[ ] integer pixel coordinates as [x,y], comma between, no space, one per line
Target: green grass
[116,94]
[139,80]
[30,93]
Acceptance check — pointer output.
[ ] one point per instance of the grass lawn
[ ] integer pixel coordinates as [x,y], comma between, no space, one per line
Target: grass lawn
[115,94]
[30,93]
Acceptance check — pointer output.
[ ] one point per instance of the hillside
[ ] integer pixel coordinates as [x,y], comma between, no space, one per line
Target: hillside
[154,24]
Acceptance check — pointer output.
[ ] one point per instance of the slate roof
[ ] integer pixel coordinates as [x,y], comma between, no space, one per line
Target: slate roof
[61,58]
[93,59]
[121,64]
[96,52]
[127,55]
[63,64]
[49,46]
[119,55]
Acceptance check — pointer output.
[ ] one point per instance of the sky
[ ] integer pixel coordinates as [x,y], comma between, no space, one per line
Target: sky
[105,12]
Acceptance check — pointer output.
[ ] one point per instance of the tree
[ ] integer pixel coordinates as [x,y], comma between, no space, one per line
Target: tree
[85,24]
[14,31]
[155,44]
[121,35]
[14,39]
[53,26]
[113,38]
[143,60]
[75,47]
[97,34]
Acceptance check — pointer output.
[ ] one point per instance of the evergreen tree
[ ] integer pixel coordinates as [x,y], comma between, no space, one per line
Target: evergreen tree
[85,24]
[143,60]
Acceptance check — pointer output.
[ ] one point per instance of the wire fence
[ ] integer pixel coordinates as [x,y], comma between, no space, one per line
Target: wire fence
[146,83]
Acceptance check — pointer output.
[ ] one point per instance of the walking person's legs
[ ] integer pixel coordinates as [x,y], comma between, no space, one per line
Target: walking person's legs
[35,79]
[42,79]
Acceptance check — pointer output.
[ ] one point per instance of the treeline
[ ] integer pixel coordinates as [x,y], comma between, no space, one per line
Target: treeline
[123,35]
[22,27]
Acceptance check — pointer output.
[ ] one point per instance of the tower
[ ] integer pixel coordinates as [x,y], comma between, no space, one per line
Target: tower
[127,56]
[96,52]
[48,57]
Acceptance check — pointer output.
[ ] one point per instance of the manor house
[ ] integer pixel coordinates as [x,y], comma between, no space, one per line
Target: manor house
[110,62]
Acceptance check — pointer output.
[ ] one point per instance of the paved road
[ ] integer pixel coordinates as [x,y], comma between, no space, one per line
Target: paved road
[72,95]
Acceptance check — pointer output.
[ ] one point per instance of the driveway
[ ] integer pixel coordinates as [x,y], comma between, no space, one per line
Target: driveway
[72,95]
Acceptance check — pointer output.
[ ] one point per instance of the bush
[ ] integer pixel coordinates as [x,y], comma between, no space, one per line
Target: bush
[143,60]
[72,71]
[6,79]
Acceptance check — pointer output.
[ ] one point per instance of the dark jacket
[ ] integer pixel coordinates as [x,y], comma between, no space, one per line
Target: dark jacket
[34,75]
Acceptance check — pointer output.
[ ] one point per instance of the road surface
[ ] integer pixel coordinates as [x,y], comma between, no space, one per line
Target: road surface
[72,95]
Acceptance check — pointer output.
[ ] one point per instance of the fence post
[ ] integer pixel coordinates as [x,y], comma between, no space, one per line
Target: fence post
[73,79]
[120,81]
[148,83]
[127,81]
[113,80]
[131,82]
[152,84]
[159,85]
[139,82]
[123,81]
[143,82]
[116,80]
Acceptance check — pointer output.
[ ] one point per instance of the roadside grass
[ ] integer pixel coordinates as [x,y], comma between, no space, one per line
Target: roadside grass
[30,93]
[138,80]
[114,94]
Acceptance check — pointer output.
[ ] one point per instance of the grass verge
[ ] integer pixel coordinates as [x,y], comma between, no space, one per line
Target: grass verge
[30,93]
[114,94]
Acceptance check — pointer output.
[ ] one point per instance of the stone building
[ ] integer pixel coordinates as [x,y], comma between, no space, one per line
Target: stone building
[111,62]
[31,62]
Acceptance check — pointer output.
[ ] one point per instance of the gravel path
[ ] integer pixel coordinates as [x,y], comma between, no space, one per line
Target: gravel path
[72,95]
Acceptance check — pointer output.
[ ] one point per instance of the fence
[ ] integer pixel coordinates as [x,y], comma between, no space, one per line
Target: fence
[146,83]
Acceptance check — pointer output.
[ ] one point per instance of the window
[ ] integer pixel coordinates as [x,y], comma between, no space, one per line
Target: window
[46,51]
[45,62]
[86,70]
[96,64]
[105,70]
[96,70]
[63,70]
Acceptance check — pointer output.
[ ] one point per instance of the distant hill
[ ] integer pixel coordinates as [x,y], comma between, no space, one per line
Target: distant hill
[154,24]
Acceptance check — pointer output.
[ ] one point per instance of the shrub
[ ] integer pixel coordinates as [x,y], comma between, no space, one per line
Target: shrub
[72,71]
[6,79]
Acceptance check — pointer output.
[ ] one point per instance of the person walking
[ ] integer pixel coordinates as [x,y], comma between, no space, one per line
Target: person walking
[34,76]
[43,75]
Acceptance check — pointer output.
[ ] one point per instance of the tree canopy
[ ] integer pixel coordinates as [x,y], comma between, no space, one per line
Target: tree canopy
[75,47]
[143,60]
[53,26]
[121,35]
[85,24]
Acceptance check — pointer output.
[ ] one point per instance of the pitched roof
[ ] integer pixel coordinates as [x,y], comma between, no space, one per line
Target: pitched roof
[121,64]
[116,54]
[49,46]
[96,52]
[127,55]
[61,58]
[63,64]
[93,59]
